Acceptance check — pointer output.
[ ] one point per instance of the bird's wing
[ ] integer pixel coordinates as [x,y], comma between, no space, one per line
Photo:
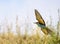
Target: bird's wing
[39,17]
[44,31]
[47,31]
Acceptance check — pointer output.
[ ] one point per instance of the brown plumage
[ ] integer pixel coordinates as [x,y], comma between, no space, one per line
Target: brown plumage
[41,23]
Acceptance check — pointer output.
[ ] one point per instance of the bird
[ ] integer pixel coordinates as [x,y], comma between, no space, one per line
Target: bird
[41,23]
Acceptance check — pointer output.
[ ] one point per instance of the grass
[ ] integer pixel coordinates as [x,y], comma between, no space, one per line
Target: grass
[11,38]
[34,39]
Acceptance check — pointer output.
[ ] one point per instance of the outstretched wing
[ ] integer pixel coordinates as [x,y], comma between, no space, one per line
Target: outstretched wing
[39,17]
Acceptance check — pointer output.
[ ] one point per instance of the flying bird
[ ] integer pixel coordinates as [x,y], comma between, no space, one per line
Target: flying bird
[41,23]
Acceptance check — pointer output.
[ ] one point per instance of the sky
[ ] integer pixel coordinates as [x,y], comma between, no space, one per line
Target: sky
[24,9]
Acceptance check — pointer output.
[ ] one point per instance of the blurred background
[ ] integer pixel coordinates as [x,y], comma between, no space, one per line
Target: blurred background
[18,16]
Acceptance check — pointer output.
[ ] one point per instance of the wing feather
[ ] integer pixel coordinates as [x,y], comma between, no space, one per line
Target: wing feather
[47,31]
[39,17]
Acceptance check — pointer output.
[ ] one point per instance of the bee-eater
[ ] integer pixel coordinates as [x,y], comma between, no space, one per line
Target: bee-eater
[41,23]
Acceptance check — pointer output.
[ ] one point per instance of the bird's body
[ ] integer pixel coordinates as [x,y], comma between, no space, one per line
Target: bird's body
[41,23]
[44,29]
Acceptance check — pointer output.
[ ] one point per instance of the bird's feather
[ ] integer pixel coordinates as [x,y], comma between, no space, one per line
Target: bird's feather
[39,17]
[41,23]
[47,31]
